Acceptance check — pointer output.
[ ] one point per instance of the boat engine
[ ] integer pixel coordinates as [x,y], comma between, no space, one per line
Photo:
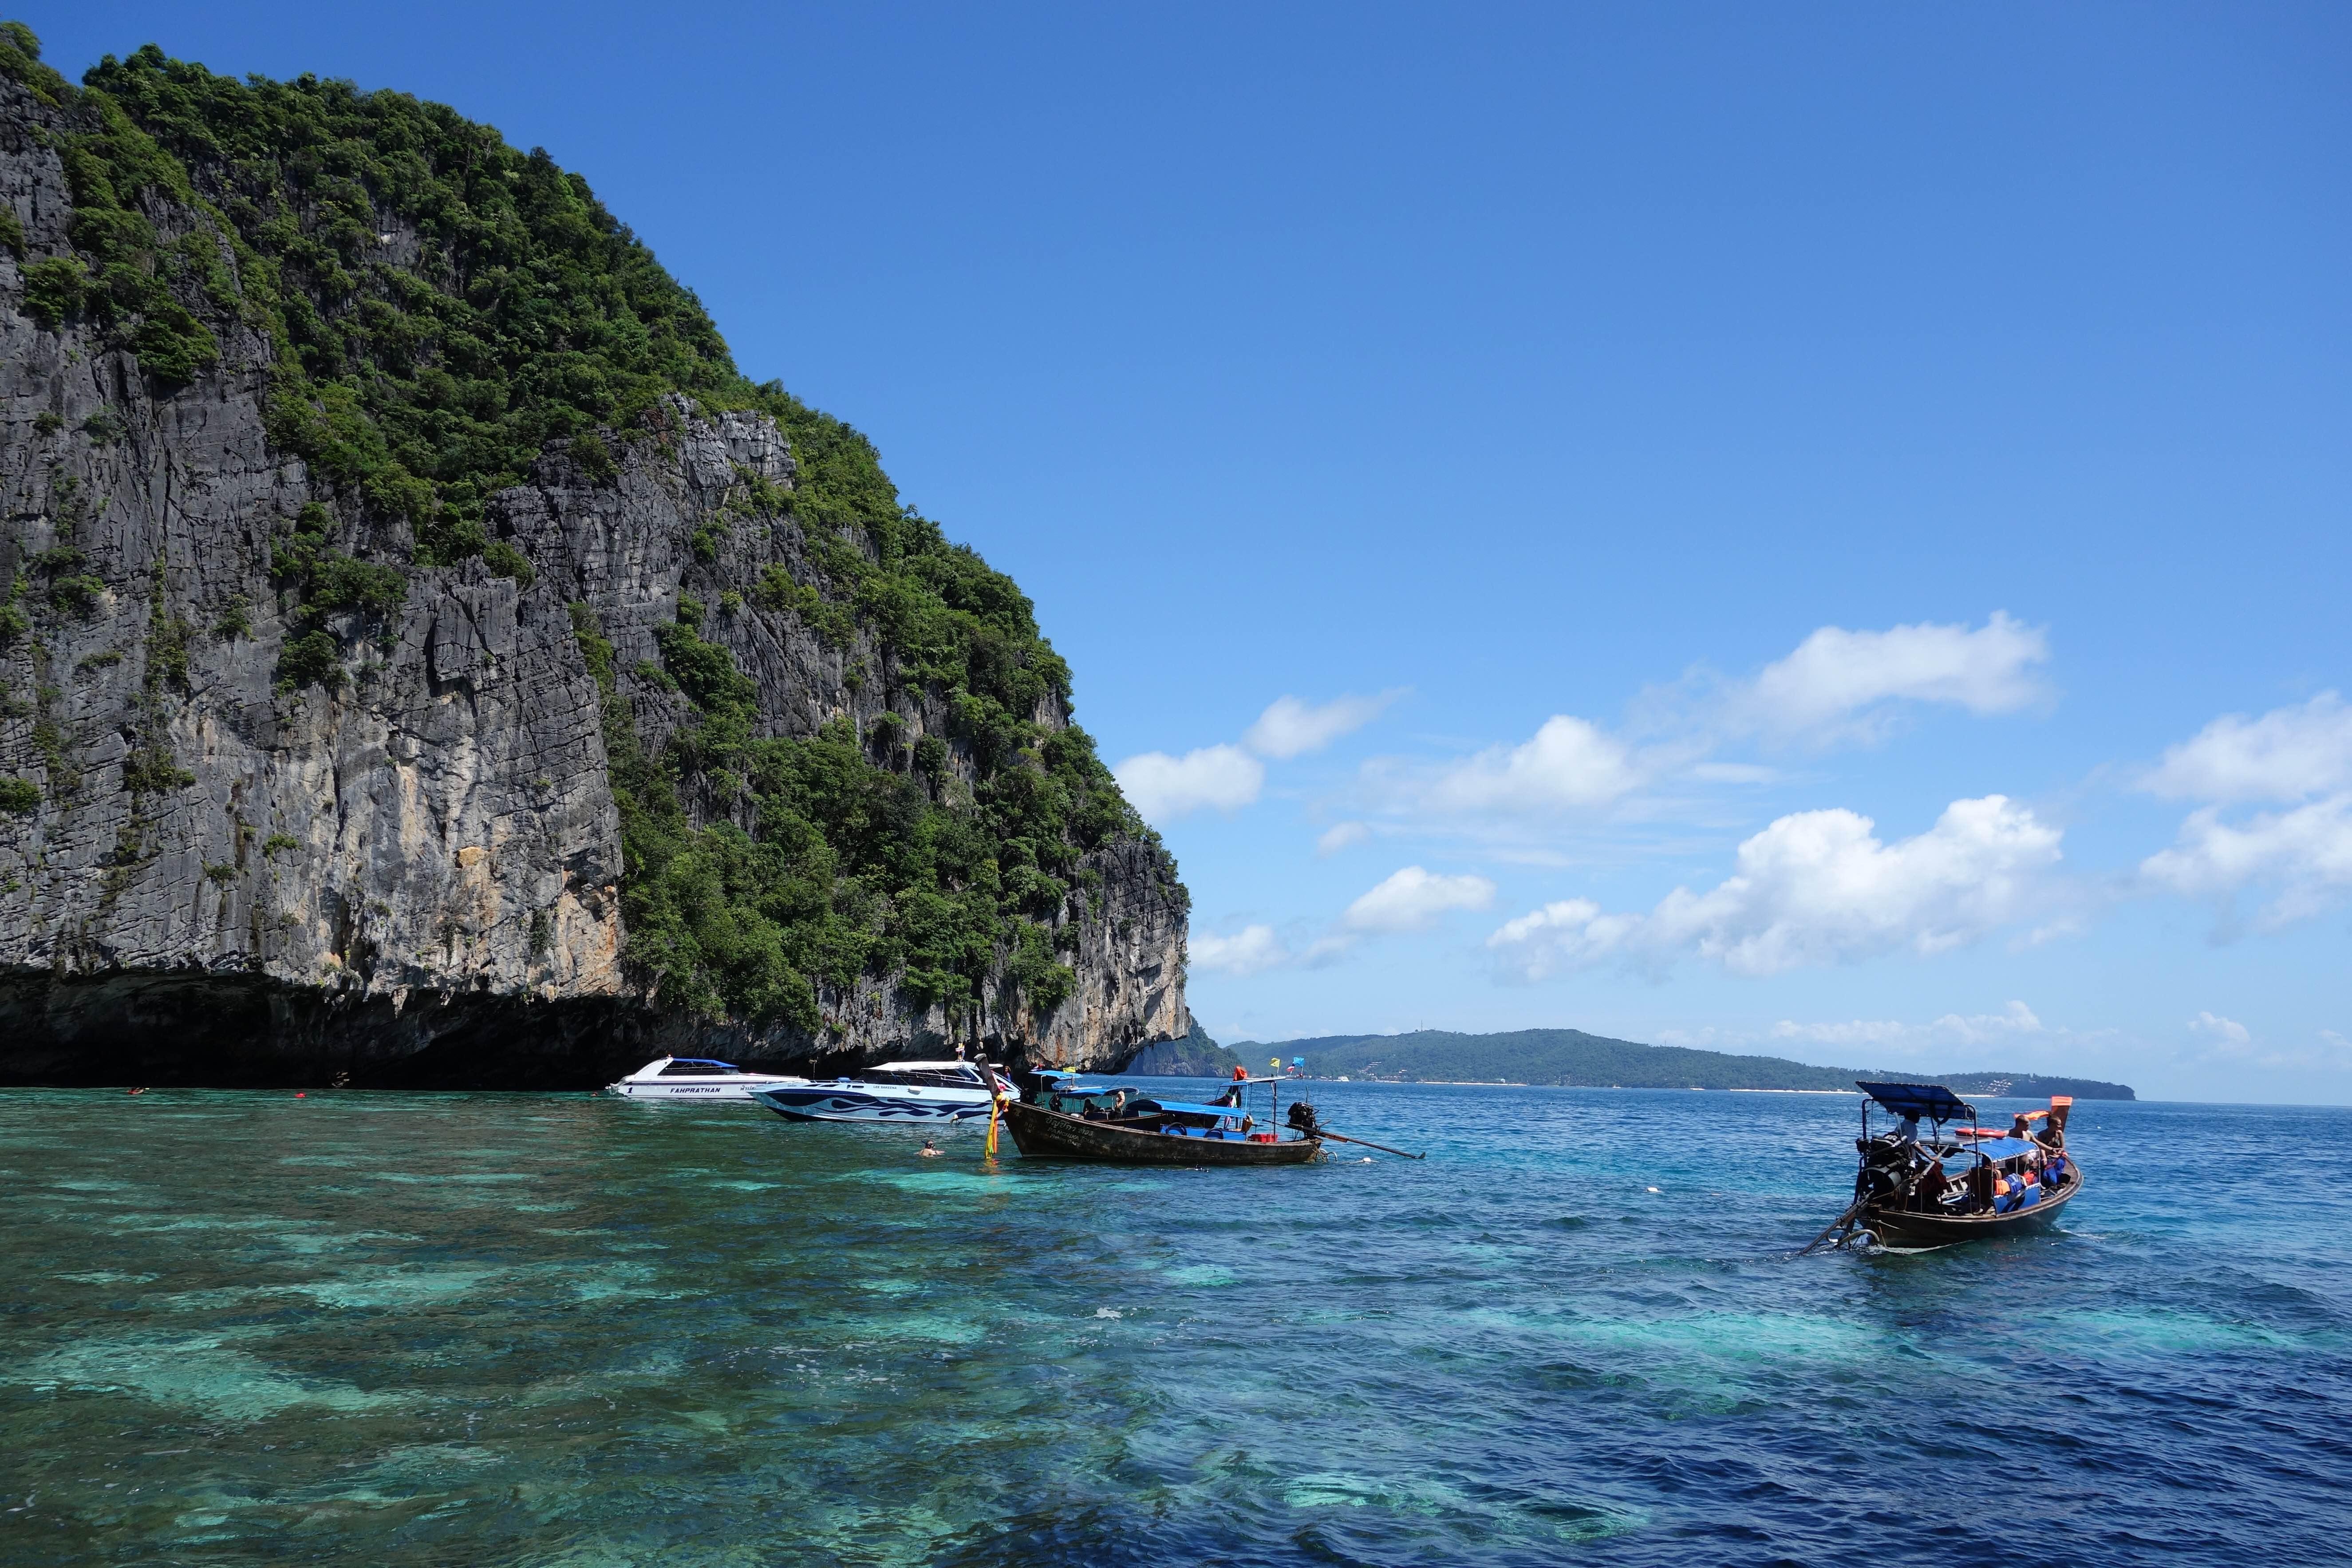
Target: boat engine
[1890,1165]
[1302,1116]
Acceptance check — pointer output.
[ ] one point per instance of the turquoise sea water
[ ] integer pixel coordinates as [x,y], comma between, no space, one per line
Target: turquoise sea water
[565,1329]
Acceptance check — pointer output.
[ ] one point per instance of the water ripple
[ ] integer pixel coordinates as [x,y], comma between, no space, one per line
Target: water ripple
[560,1330]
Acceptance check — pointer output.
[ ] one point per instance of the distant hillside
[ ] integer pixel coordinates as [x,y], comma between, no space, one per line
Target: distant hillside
[1571,1057]
[1194,1055]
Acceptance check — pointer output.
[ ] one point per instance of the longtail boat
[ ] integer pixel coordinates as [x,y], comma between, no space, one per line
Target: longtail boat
[1066,1119]
[1972,1183]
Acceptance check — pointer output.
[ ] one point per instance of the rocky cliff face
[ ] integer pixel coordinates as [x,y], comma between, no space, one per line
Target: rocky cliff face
[1194,1055]
[409,867]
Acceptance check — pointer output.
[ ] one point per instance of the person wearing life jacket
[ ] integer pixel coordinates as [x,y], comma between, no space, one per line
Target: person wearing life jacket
[2009,1193]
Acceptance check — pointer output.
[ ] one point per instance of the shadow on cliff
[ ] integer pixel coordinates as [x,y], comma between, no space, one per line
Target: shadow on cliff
[213,1031]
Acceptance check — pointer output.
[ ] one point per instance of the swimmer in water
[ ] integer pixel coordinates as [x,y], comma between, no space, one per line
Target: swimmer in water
[929,1152]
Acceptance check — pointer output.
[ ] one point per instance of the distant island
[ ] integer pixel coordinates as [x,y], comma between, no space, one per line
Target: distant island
[1574,1059]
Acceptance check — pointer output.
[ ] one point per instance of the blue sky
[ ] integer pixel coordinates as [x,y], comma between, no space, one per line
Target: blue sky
[1573,515]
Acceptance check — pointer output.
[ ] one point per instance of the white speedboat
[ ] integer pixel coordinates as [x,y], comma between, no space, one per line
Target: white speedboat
[894,1091]
[697,1078]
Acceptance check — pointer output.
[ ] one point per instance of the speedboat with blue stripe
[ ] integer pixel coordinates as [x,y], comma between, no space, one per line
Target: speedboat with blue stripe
[894,1091]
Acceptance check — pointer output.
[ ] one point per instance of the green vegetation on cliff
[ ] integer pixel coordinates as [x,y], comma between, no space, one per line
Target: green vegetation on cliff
[442,311]
[852,868]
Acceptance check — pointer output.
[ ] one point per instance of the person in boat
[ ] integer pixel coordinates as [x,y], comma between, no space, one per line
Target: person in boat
[1929,1192]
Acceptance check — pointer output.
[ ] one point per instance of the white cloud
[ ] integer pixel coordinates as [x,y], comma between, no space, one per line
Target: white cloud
[1227,777]
[1895,1035]
[2302,854]
[1327,949]
[1569,934]
[1835,674]
[1816,887]
[1290,728]
[1342,835]
[2234,1043]
[1569,764]
[1413,900]
[2305,854]
[1981,1033]
[2229,1031]
[1250,951]
[1163,787]
[1836,684]
[1255,949]
[2288,753]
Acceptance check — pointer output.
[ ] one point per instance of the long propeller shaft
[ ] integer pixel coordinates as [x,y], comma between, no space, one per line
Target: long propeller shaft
[1909,1181]
[1367,1143]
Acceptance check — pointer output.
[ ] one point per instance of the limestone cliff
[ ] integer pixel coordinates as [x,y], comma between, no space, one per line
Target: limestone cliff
[315,766]
[1194,1055]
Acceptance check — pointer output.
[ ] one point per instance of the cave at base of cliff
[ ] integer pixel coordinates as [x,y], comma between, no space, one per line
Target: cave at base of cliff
[194,1029]
[216,1031]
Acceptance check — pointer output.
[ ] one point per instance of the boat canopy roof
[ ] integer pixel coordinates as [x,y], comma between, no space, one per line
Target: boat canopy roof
[1931,1101]
[1185,1108]
[703,1062]
[924,1066]
[2003,1148]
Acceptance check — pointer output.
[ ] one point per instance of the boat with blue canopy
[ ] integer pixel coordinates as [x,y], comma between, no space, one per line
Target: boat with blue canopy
[1064,1118]
[1955,1180]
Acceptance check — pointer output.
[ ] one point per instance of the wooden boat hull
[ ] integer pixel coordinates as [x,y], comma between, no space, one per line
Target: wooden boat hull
[1043,1134]
[1895,1228]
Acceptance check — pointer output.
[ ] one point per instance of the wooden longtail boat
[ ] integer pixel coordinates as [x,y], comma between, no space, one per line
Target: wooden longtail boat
[1043,1135]
[1148,1132]
[1907,1194]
